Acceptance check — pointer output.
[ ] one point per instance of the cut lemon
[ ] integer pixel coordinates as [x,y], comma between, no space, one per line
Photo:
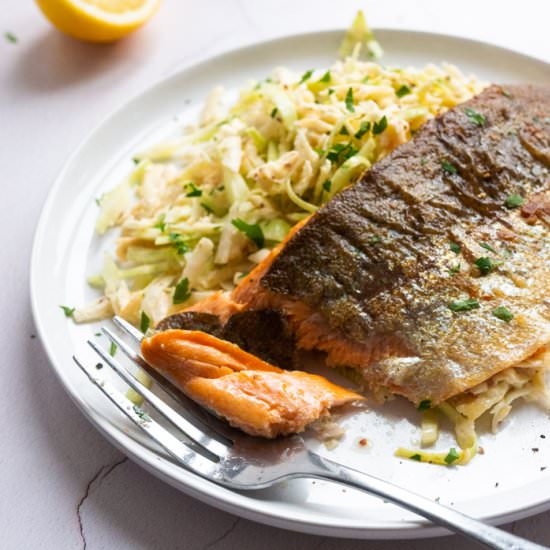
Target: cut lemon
[98,20]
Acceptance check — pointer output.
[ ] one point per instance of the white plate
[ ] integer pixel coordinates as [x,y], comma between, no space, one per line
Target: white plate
[66,251]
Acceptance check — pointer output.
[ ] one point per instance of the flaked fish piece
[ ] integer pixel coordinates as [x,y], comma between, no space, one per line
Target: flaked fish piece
[432,273]
[252,395]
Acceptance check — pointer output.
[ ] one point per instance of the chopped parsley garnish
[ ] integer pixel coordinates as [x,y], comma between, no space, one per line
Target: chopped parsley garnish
[192,190]
[98,200]
[344,131]
[112,349]
[503,313]
[380,126]
[366,79]
[513,201]
[363,129]
[477,118]
[327,184]
[464,305]
[416,457]
[207,207]
[454,269]
[452,456]
[424,405]
[160,224]
[252,230]
[448,167]
[455,247]
[330,91]
[403,90]
[349,101]
[180,246]
[341,152]
[325,78]
[423,162]
[135,160]
[507,94]
[144,322]
[274,112]
[141,413]
[488,247]
[306,76]
[68,311]
[375,239]
[181,292]
[10,37]
[485,265]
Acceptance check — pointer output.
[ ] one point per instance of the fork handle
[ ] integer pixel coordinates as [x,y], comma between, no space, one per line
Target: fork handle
[487,535]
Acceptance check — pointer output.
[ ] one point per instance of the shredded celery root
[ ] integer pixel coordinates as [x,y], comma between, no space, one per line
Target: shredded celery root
[493,397]
[285,147]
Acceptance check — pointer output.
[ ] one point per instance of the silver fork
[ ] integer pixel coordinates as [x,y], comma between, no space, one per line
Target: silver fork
[213,450]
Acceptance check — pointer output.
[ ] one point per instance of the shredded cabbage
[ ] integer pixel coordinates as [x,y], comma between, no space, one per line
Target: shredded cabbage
[493,398]
[285,147]
[146,380]
[429,428]
[360,34]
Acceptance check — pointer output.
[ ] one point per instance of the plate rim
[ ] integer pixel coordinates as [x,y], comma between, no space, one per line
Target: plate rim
[145,457]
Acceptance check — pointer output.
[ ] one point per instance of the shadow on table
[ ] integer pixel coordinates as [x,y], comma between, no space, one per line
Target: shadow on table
[56,61]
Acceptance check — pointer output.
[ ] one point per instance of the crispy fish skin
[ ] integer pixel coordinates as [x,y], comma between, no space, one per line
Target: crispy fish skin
[263,333]
[371,280]
[257,397]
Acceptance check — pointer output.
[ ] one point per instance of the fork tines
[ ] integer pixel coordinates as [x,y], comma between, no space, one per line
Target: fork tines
[211,445]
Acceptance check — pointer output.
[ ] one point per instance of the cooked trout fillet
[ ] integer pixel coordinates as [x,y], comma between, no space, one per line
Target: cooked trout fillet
[432,273]
[384,291]
[251,394]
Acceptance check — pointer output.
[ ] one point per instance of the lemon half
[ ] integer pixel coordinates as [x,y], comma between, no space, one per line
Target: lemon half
[98,20]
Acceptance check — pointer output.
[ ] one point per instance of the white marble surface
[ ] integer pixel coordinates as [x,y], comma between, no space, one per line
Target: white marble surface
[61,484]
